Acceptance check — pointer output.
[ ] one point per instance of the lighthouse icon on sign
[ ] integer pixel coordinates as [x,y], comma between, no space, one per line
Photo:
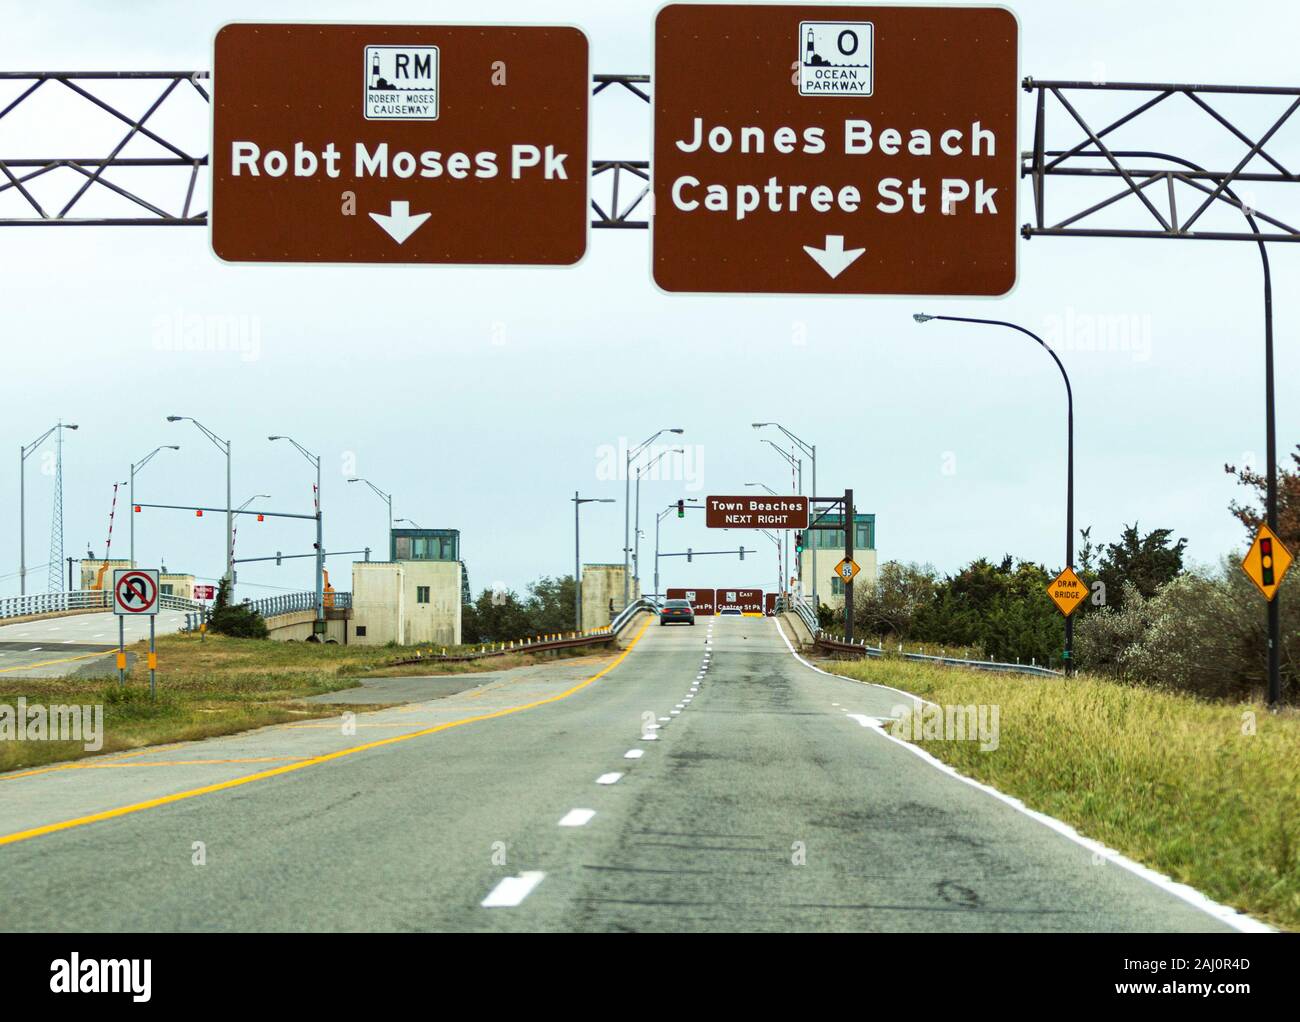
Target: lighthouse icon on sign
[374,70]
[836,58]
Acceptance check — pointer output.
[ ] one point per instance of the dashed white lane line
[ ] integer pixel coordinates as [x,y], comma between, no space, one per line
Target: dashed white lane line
[634,753]
[664,720]
[650,737]
[675,712]
[513,890]
[610,778]
[577,817]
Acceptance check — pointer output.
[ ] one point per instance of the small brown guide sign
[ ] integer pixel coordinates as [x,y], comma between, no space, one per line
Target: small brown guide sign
[835,149]
[400,144]
[765,512]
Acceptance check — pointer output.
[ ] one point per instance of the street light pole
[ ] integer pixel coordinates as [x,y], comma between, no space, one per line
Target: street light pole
[388,499]
[221,445]
[811,451]
[783,545]
[314,459]
[636,553]
[23,453]
[1069,459]
[134,469]
[577,555]
[687,504]
[632,455]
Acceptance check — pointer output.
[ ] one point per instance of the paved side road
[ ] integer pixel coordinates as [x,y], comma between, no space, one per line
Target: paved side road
[56,647]
[707,781]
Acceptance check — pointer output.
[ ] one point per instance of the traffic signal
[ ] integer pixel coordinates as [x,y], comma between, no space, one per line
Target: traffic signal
[681,509]
[688,555]
[1266,561]
[277,557]
[742,553]
[798,542]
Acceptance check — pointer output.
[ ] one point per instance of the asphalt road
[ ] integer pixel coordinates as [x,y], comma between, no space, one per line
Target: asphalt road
[761,799]
[56,647]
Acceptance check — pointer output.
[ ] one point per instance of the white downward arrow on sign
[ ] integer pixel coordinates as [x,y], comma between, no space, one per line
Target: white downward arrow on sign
[834,259]
[398,221]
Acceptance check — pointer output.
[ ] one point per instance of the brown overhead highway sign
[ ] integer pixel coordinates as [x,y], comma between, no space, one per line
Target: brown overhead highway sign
[765,512]
[835,150]
[400,144]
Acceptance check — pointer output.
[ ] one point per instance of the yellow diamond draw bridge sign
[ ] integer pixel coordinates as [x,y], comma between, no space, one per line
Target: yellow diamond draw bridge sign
[1267,561]
[1067,591]
[846,569]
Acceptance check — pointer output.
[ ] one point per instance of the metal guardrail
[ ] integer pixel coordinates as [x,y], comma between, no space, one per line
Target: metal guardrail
[538,644]
[271,606]
[834,645]
[79,599]
[631,610]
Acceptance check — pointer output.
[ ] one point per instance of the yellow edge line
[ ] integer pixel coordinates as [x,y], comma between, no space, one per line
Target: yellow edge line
[153,803]
[51,663]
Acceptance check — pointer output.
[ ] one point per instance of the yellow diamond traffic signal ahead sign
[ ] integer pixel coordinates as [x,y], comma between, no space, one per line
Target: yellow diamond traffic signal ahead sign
[846,569]
[1067,591]
[1266,561]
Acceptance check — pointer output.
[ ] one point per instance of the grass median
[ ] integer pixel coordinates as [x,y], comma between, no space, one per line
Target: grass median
[217,686]
[1206,793]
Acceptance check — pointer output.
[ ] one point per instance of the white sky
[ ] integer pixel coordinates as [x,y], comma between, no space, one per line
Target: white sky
[482,398]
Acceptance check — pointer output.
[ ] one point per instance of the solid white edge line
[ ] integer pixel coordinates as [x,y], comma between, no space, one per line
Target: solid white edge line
[1224,913]
[577,817]
[513,890]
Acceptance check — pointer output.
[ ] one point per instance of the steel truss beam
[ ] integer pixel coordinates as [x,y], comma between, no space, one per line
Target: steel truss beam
[626,183]
[1157,188]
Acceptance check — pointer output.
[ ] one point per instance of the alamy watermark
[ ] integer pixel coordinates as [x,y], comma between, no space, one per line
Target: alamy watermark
[1126,332]
[38,723]
[934,723]
[683,463]
[190,332]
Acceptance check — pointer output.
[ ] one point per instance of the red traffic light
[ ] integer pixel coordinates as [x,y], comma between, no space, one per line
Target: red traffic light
[198,512]
[137,509]
[261,518]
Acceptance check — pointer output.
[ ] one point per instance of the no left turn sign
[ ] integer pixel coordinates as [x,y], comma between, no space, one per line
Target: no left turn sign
[135,591]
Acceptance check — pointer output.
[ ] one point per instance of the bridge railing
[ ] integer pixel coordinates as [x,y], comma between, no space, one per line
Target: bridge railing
[53,603]
[272,606]
[77,599]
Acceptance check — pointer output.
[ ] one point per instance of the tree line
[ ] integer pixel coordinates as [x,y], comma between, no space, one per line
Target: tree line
[1150,619]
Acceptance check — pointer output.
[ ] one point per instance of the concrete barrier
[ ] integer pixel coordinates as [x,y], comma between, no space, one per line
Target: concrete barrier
[796,627]
[296,626]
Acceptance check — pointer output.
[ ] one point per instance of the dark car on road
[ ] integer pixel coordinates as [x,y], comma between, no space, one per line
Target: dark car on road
[677,612]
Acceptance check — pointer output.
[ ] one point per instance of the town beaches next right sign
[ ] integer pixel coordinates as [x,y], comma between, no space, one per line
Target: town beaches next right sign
[835,150]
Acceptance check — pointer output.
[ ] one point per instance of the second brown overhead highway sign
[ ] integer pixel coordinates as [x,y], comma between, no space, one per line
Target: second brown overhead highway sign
[837,150]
